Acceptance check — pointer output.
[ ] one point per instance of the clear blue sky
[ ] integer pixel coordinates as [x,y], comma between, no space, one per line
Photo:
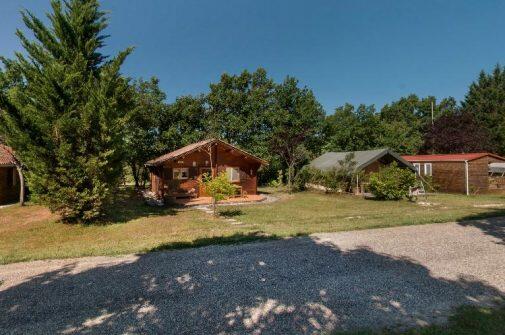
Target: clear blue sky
[346,51]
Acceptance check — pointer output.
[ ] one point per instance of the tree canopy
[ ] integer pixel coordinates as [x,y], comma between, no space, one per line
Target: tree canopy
[64,112]
[486,101]
[456,132]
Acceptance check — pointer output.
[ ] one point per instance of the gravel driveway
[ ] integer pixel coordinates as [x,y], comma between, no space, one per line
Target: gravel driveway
[375,278]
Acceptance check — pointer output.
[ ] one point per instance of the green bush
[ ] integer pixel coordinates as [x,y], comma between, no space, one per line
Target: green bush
[218,187]
[392,182]
[304,176]
[279,181]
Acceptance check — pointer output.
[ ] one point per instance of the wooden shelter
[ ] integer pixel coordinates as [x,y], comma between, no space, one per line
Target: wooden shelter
[178,173]
[470,173]
[366,162]
[11,178]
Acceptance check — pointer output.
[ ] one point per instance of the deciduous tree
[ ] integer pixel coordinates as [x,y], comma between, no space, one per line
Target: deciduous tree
[456,132]
[350,129]
[296,125]
[142,133]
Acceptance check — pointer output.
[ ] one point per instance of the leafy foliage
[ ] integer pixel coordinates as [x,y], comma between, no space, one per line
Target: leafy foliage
[239,110]
[400,125]
[404,122]
[456,132]
[279,181]
[142,135]
[352,129]
[64,110]
[296,125]
[391,182]
[486,101]
[218,187]
[184,122]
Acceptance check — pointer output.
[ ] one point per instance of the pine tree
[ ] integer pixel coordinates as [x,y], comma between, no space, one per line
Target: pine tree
[486,101]
[63,111]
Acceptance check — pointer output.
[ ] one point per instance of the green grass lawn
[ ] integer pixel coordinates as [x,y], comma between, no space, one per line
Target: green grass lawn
[467,320]
[32,232]
[309,212]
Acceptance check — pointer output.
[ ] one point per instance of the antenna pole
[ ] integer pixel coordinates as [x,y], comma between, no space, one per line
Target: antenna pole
[432,113]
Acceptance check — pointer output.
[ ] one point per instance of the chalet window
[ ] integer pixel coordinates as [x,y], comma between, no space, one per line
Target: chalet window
[427,169]
[233,174]
[180,173]
[417,166]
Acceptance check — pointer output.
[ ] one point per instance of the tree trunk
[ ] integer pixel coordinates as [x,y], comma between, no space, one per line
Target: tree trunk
[214,206]
[21,186]
[135,174]
[290,177]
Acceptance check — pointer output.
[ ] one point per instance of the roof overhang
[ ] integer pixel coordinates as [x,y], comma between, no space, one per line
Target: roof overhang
[212,142]
[384,153]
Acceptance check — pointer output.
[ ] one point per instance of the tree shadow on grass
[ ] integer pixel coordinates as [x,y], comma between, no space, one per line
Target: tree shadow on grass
[229,213]
[292,286]
[237,238]
[130,205]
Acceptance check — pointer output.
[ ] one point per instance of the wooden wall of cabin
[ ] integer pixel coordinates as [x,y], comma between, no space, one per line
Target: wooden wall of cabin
[478,175]
[447,176]
[197,161]
[248,167]
[9,185]
[479,179]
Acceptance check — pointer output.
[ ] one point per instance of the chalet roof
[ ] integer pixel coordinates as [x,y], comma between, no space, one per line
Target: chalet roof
[450,157]
[332,160]
[195,146]
[6,156]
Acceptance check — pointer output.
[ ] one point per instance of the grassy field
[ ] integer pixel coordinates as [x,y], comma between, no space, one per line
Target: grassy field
[467,320]
[307,212]
[32,232]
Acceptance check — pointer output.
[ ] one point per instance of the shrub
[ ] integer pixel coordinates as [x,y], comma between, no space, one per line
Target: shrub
[392,182]
[219,188]
[278,182]
[304,176]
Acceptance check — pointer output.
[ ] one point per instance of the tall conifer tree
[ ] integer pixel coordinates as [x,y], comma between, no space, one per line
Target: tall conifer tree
[63,109]
[486,101]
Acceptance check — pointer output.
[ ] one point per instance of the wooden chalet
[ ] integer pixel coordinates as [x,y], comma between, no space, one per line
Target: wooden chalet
[10,178]
[470,173]
[177,174]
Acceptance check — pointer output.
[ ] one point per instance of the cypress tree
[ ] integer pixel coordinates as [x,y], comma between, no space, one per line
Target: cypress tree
[63,105]
[486,101]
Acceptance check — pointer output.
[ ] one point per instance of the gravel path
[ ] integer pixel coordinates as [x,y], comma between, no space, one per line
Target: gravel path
[375,278]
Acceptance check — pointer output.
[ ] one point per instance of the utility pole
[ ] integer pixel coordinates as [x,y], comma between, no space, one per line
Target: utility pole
[432,112]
